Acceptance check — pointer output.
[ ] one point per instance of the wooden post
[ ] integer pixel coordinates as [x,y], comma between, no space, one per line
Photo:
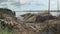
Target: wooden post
[49,7]
[47,32]
[58,7]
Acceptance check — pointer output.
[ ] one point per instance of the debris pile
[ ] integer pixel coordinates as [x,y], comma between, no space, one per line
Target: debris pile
[42,22]
[7,18]
[37,17]
[31,23]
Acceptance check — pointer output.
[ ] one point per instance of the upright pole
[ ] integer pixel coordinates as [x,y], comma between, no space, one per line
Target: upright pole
[57,14]
[57,7]
[49,7]
[48,15]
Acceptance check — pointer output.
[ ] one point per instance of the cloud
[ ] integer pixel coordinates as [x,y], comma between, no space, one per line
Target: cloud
[13,0]
[28,4]
[3,5]
[53,4]
[23,1]
[3,0]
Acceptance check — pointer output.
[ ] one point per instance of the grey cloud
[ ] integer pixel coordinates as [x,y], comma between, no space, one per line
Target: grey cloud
[3,5]
[15,3]
[3,0]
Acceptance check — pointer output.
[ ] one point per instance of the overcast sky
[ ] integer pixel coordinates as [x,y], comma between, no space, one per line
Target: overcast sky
[18,5]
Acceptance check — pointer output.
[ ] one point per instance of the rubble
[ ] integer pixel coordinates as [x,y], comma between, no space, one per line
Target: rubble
[39,22]
[32,23]
[37,17]
[7,17]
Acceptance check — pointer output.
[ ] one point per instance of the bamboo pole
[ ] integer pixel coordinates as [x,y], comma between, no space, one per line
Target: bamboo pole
[58,7]
[48,15]
[49,7]
[57,14]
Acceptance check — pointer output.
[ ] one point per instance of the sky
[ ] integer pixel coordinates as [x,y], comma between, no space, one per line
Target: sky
[22,5]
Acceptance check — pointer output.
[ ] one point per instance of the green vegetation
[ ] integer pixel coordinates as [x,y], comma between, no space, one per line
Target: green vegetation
[7,11]
[4,9]
[5,30]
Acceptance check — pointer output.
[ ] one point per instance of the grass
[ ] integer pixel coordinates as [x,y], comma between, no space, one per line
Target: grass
[5,30]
